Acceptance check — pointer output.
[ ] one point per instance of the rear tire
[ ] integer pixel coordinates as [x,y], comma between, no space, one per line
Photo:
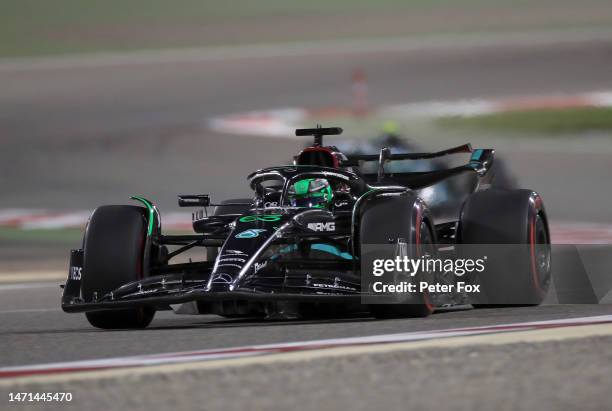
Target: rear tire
[514,218]
[398,217]
[113,250]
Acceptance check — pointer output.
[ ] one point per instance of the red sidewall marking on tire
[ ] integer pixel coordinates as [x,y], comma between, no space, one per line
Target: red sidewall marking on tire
[532,243]
[534,272]
[417,241]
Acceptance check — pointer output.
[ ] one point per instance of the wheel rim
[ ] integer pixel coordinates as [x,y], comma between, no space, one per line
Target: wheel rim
[542,247]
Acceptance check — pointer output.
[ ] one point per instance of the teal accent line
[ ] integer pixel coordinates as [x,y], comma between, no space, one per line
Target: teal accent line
[328,248]
[476,155]
[288,249]
[151,210]
[284,250]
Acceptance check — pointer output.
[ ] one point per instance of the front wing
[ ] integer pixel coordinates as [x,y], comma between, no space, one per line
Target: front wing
[164,290]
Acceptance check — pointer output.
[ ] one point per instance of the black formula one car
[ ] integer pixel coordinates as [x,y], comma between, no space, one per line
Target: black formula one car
[293,250]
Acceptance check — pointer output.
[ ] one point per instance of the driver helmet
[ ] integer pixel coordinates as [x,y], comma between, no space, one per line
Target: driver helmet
[310,192]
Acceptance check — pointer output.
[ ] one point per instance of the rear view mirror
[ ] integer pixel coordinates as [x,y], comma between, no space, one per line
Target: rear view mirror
[193,200]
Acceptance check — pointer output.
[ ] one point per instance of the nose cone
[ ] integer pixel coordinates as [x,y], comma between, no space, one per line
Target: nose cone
[220,282]
[245,241]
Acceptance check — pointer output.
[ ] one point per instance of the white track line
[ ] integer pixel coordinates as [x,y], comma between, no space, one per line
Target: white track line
[333,47]
[31,310]
[295,351]
[475,107]
[30,219]
[27,286]
[32,279]
[280,122]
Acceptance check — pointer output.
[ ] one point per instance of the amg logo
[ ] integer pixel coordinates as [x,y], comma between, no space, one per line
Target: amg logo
[330,226]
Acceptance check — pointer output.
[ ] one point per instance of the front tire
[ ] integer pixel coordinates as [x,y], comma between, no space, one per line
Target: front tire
[113,252]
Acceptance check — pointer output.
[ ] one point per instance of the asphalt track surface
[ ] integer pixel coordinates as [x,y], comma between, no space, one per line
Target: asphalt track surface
[84,136]
[476,376]
[35,330]
[554,375]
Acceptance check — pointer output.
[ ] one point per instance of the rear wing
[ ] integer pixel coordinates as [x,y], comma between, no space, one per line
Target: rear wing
[480,162]
[385,155]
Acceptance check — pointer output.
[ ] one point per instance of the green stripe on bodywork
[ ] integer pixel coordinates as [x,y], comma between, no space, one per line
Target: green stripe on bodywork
[151,210]
[328,248]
